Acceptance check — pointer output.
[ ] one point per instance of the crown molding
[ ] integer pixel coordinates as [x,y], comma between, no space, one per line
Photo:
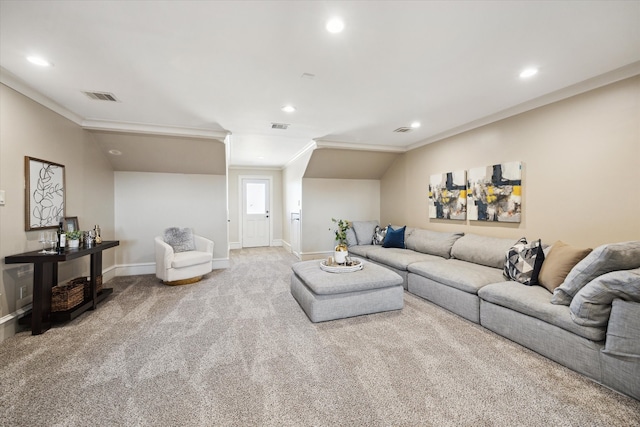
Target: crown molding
[360,147]
[111,126]
[613,76]
[309,147]
[9,79]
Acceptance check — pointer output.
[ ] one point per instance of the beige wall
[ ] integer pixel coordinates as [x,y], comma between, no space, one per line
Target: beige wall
[581,169]
[29,129]
[234,202]
[147,203]
[323,199]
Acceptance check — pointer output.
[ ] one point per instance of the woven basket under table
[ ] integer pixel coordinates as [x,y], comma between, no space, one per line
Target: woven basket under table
[65,297]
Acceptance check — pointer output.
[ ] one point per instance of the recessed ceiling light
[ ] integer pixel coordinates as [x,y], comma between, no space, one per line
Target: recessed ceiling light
[335,25]
[260,157]
[415,125]
[288,108]
[39,61]
[115,152]
[528,72]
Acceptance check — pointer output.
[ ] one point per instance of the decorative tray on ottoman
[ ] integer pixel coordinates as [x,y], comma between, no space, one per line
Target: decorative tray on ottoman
[355,265]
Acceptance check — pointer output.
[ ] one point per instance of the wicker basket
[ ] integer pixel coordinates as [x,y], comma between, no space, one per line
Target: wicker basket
[65,297]
[86,281]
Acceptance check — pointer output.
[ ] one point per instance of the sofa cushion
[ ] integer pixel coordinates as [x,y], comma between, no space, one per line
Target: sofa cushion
[557,264]
[592,304]
[534,301]
[351,237]
[189,258]
[364,231]
[399,259]
[524,261]
[432,242]
[363,250]
[462,275]
[394,238]
[624,330]
[482,250]
[603,259]
[180,239]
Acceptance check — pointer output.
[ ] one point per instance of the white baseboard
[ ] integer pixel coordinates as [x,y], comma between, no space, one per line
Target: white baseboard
[304,256]
[221,263]
[287,246]
[136,269]
[150,267]
[276,242]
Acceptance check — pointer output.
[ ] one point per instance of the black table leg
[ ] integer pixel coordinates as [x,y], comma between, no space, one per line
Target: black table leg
[45,275]
[96,270]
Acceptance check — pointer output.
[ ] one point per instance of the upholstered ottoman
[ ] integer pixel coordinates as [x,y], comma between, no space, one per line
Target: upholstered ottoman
[329,296]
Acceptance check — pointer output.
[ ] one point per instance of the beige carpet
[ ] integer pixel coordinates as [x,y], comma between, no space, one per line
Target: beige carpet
[236,349]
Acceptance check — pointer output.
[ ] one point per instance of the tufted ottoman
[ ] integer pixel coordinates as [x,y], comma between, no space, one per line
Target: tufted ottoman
[329,296]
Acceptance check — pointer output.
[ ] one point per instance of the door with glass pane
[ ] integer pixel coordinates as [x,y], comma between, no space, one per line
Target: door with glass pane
[255,213]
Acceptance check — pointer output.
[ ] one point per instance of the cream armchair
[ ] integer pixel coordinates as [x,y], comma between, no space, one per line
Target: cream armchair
[186,266]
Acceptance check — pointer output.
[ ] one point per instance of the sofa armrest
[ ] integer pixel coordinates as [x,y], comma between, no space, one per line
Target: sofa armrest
[164,254]
[623,330]
[203,244]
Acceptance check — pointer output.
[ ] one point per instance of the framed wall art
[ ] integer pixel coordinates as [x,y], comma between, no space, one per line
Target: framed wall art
[44,193]
[495,193]
[448,195]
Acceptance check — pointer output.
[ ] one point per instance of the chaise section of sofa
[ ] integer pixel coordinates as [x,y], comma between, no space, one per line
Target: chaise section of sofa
[524,314]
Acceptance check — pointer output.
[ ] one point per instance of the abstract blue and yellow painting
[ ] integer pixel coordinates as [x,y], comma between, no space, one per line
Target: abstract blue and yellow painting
[448,195]
[495,192]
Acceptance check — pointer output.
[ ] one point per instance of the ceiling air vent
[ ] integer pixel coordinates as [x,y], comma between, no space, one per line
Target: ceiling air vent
[102,96]
[282,126]
[403,130]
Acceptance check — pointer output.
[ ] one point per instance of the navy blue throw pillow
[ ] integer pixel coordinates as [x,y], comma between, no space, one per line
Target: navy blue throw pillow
[394,238]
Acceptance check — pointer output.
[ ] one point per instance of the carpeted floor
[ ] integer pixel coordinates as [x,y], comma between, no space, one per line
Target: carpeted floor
[236,349]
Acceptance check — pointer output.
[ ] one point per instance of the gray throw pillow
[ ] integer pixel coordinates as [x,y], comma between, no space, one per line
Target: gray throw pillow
[351,237]
[603,259]
[180,239]
[623,330]
[592,305]
[364,231]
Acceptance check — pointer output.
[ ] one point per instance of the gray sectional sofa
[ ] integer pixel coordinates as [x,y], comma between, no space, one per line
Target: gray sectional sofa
[463,273]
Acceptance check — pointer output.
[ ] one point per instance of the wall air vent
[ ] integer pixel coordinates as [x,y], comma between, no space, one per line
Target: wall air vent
[282,126]
[102,96]
[403,130]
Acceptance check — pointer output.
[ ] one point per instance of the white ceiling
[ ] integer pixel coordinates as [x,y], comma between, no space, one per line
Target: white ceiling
[201,68]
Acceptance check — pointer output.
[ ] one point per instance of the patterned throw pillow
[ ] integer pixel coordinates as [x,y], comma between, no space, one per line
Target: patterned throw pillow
[524,261]
[379,235]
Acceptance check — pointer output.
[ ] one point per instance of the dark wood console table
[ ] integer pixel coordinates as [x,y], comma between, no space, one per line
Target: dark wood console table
[45,276]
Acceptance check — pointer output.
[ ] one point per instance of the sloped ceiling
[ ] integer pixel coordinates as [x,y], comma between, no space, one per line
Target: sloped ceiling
[335,163]
[157,153]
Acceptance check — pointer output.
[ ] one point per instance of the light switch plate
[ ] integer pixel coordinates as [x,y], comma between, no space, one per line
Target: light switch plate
[1,197]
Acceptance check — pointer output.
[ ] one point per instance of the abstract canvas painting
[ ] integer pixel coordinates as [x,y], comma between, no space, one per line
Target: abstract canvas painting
[448,196]
[495,192]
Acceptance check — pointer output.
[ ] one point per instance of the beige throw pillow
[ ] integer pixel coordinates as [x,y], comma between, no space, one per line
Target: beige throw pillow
[561,259]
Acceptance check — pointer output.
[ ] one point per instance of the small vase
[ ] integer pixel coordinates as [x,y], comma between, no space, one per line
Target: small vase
[340,254]
[74,243]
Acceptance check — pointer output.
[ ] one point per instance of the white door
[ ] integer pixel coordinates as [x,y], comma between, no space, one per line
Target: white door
[255,213]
